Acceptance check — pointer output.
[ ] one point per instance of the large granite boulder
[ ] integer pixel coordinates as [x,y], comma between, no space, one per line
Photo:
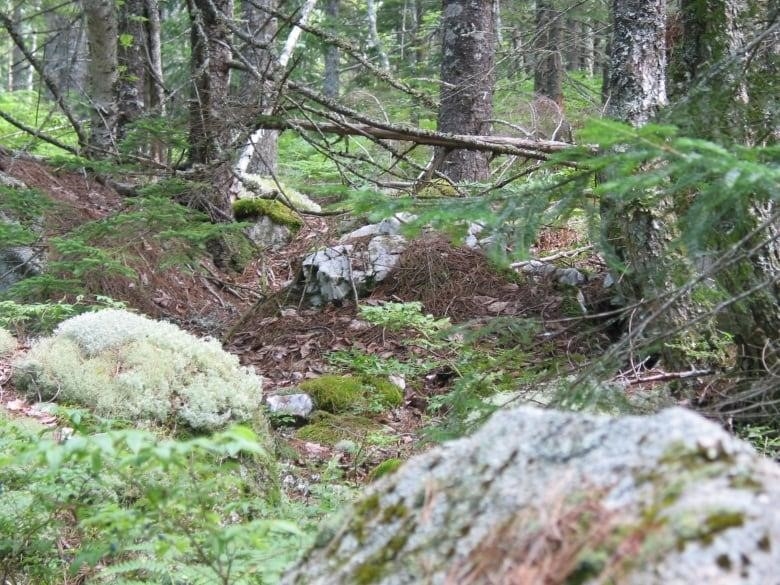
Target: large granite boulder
[546,497]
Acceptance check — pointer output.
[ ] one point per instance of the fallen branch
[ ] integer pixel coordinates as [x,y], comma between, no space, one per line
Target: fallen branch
[538,149]
[671,376]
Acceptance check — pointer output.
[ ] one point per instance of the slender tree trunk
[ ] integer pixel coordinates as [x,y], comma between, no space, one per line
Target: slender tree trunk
[102,38]
[155,85]
[467,78]
[331,79]
[132,64]
[373,35]
[210,66]
[262,28]
[588,49]
[21,71]
[548,69]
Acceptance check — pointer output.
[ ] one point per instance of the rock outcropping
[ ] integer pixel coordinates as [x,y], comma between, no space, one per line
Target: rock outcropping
[548,497]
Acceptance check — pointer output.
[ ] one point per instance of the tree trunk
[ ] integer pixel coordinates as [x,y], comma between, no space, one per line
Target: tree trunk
[467,80]
[21,71]
[155,88]
[210,66]
[373,35]
[330,81]
[262,28]
[711,70]
[640,235]
[548,68]
[132,64]
[637,77]
[102,38]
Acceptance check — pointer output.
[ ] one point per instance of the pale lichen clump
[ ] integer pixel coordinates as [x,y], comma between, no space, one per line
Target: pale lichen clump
[126,366]
[7,342]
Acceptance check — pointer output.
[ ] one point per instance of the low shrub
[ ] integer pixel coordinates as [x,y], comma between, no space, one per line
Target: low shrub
[126,366]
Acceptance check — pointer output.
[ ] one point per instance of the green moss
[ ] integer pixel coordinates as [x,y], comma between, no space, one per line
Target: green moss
[275,210]
[338,394]
[232,250]
[393,513]
[437,188]
[334,393]
[383,391]
[387,467]
[329,429]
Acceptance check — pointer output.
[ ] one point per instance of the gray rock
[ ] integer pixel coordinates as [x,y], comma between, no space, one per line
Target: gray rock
[7,180]
[539,496]
[349,269]
[266,234]
[18,263]
[297,405]
[570,276]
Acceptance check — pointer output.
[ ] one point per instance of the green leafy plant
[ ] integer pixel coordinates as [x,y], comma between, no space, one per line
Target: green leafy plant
[37,318]
[137,508]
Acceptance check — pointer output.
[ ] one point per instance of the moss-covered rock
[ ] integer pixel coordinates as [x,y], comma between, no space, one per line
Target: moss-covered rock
[387,467]
[329,429]
[250,209]
[338,394]
[670,488]
[232,250]
[437,188]
[122,365]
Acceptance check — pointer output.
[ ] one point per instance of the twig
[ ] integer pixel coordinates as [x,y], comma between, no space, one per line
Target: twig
[558,256]
[672,376]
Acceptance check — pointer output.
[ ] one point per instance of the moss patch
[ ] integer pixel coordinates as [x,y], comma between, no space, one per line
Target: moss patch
[436,188]
[329,429]
[338,394]
[248,209]
[387,467]
[334,393]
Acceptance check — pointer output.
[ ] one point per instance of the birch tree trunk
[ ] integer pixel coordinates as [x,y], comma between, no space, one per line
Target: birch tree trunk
[373,35]
[101,20]
[467,81]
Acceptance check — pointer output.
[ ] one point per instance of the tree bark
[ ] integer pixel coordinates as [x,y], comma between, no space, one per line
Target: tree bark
[548,63]
[210,66]
[21,72]
[102,37]
[640,235]
[262,27]
[467,81]
[132,64]
[715,71]
[373,35]
[331,78]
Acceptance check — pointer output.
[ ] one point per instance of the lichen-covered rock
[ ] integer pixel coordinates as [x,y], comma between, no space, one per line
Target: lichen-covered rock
[123,365]
[539,496]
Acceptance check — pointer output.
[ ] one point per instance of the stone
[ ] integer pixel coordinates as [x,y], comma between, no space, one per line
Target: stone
[266,234]
[296,405]
[351,269]
[18,263]
[564,498]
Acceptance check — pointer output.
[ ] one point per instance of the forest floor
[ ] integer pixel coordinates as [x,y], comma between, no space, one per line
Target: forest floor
[287,342]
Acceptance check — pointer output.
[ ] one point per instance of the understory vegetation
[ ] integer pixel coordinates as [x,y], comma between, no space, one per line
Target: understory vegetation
[135,452]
